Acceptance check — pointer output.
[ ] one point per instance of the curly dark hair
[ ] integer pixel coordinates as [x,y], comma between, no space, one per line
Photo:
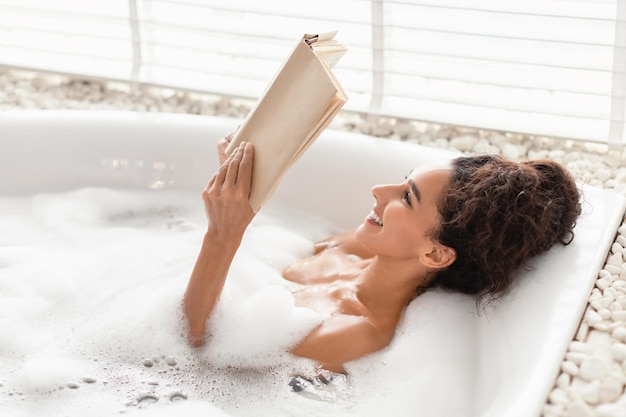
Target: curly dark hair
[496,214]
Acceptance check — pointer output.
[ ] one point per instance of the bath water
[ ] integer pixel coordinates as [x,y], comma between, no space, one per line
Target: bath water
[91,283]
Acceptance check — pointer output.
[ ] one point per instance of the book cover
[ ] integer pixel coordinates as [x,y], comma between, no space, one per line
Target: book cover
[296,107]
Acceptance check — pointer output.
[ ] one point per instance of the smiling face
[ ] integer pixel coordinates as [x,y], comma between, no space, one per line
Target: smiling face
[405,215]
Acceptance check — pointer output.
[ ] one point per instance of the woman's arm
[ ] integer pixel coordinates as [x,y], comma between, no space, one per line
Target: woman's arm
[229,214]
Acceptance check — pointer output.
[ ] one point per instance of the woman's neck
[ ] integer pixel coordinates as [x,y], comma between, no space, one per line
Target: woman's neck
[387,286]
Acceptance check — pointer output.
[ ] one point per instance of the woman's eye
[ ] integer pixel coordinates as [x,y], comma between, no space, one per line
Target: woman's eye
[407,198]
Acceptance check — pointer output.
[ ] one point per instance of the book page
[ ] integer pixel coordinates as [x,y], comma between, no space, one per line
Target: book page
[326,47]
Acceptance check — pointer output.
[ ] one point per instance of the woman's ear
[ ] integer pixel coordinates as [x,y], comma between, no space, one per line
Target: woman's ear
[439,257]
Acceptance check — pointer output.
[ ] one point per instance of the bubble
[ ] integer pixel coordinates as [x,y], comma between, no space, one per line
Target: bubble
[177,396]
[146,399]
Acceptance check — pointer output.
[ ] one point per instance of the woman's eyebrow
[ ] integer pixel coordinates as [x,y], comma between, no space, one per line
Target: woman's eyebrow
[416,192]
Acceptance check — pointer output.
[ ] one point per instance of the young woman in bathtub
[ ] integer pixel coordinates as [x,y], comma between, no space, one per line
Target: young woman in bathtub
[463,226]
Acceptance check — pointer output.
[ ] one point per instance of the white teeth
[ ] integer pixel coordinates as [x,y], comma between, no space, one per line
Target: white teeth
[376,219]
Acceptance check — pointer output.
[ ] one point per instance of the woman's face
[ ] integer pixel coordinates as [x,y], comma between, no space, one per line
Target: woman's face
[404,215]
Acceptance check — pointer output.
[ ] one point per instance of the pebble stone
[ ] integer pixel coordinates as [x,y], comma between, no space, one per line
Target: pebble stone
[593,369]
[610,410]
[575,357]
[558,396]
[610,390]
[592,317]
[581,347]
[511,151]
[618,315]
[620,333]
[618,350]
[588,163]
[563,381]
[591,392]
[616,259]
[579,408]
[570,368]
[603,283]
[464,143]
[604,313]
[600,303]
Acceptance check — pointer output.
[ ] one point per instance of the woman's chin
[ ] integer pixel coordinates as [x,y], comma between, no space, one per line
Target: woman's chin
[366,230]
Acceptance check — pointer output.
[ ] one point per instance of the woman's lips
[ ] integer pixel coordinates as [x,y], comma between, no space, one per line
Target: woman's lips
[373,218]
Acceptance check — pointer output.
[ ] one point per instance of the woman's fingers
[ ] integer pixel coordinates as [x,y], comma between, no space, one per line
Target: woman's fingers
[240,166]
[219,178]
[244,176]
[233,165]
[236,170]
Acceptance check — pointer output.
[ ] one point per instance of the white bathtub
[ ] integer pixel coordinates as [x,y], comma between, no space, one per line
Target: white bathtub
[514,353]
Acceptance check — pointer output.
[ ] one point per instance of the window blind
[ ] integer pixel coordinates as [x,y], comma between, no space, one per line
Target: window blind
[543,67]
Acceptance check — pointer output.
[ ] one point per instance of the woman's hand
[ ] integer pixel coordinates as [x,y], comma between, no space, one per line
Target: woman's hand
[226,195]
[222,144]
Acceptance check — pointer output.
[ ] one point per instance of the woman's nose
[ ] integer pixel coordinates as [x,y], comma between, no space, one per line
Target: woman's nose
[382,192]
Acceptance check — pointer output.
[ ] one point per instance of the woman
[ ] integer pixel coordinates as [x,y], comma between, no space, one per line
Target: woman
[464,226]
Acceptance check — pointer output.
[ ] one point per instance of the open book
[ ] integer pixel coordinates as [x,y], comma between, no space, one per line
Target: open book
[297,106]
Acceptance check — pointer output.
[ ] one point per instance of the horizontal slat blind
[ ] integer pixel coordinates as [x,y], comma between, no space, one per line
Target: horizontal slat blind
[546,67]
[67,36]
[223,48]
[527,66]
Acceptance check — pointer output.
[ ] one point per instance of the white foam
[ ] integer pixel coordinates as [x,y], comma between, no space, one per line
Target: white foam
[91,283]
[194,408]
[267,324]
